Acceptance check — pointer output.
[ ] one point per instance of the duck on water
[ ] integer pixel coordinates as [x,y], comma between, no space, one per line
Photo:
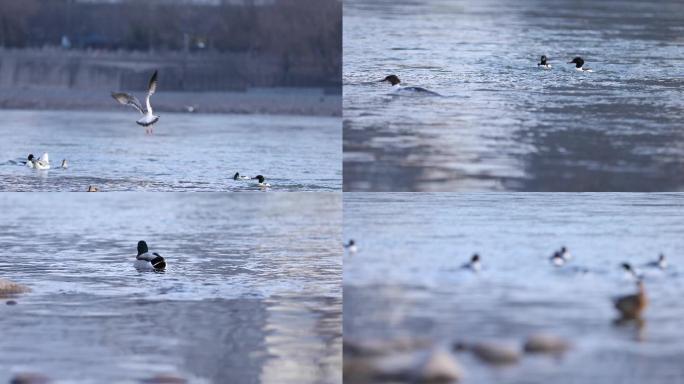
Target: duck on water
[148,261]
[398,87]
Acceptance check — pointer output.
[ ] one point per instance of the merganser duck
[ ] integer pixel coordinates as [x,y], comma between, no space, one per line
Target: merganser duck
[557,259]
[92,188]
[473,264]
[149,117]
[543,63]
[238,177]
[147,261]
[565,253]
[660,263]
[631,306]
[351,246]
[261,181]
[396,84]
[579,62]
[65,165]
[631,272]
[42,163]
[29,160]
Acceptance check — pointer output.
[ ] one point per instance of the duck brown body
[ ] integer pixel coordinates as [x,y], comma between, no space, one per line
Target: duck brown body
[631,306]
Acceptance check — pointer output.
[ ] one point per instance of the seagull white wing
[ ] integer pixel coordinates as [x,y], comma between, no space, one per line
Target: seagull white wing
[126,99]
[151,88]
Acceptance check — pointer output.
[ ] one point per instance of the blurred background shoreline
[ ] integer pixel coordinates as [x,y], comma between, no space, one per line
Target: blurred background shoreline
[274,57]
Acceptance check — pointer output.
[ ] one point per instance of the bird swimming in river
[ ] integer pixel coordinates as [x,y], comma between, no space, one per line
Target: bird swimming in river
[148,261]
[41,163]
[351,246]
[148,117]
[261,181]
[579,64]
[660,263]
[631,306]
[557,259]
[474,263]
[631,272]
[237,177]
[396,85]
[544,63]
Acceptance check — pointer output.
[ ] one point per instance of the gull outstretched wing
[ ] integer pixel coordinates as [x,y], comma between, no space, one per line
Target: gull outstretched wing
[126,99]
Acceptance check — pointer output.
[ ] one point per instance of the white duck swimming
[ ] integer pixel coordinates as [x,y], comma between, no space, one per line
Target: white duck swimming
[544,63]
[660,263]
[351,246]
[238,177]
[41,163]
[474,263]
[262,183]
[148,261]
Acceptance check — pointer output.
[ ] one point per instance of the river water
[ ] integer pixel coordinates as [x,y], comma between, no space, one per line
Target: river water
[188,152]
[251,293]
[503,124]
[406,279]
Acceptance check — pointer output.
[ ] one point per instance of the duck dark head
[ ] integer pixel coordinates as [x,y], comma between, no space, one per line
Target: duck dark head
[392,79]
[260,178]
[30,156]
[237,174]
[351,242]
[142,247]
[543,60]
[661,257]
[578,61]
[475,258]
[627,267]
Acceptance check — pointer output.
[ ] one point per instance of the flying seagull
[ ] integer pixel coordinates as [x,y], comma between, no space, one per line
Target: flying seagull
[149,117]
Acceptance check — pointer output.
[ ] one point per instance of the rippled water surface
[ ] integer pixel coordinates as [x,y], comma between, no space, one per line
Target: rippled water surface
[188,152]
[504,124]
[406,279]
[251,294]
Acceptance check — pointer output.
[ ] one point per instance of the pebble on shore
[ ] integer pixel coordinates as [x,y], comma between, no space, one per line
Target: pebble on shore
[546,343]
[492,352]
[431,365]
[8,288]
[383,347]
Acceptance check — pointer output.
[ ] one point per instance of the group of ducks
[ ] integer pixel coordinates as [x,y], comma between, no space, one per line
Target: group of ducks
[261,180]
[630,306]
[544,63]
[578,61]
[43,162]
